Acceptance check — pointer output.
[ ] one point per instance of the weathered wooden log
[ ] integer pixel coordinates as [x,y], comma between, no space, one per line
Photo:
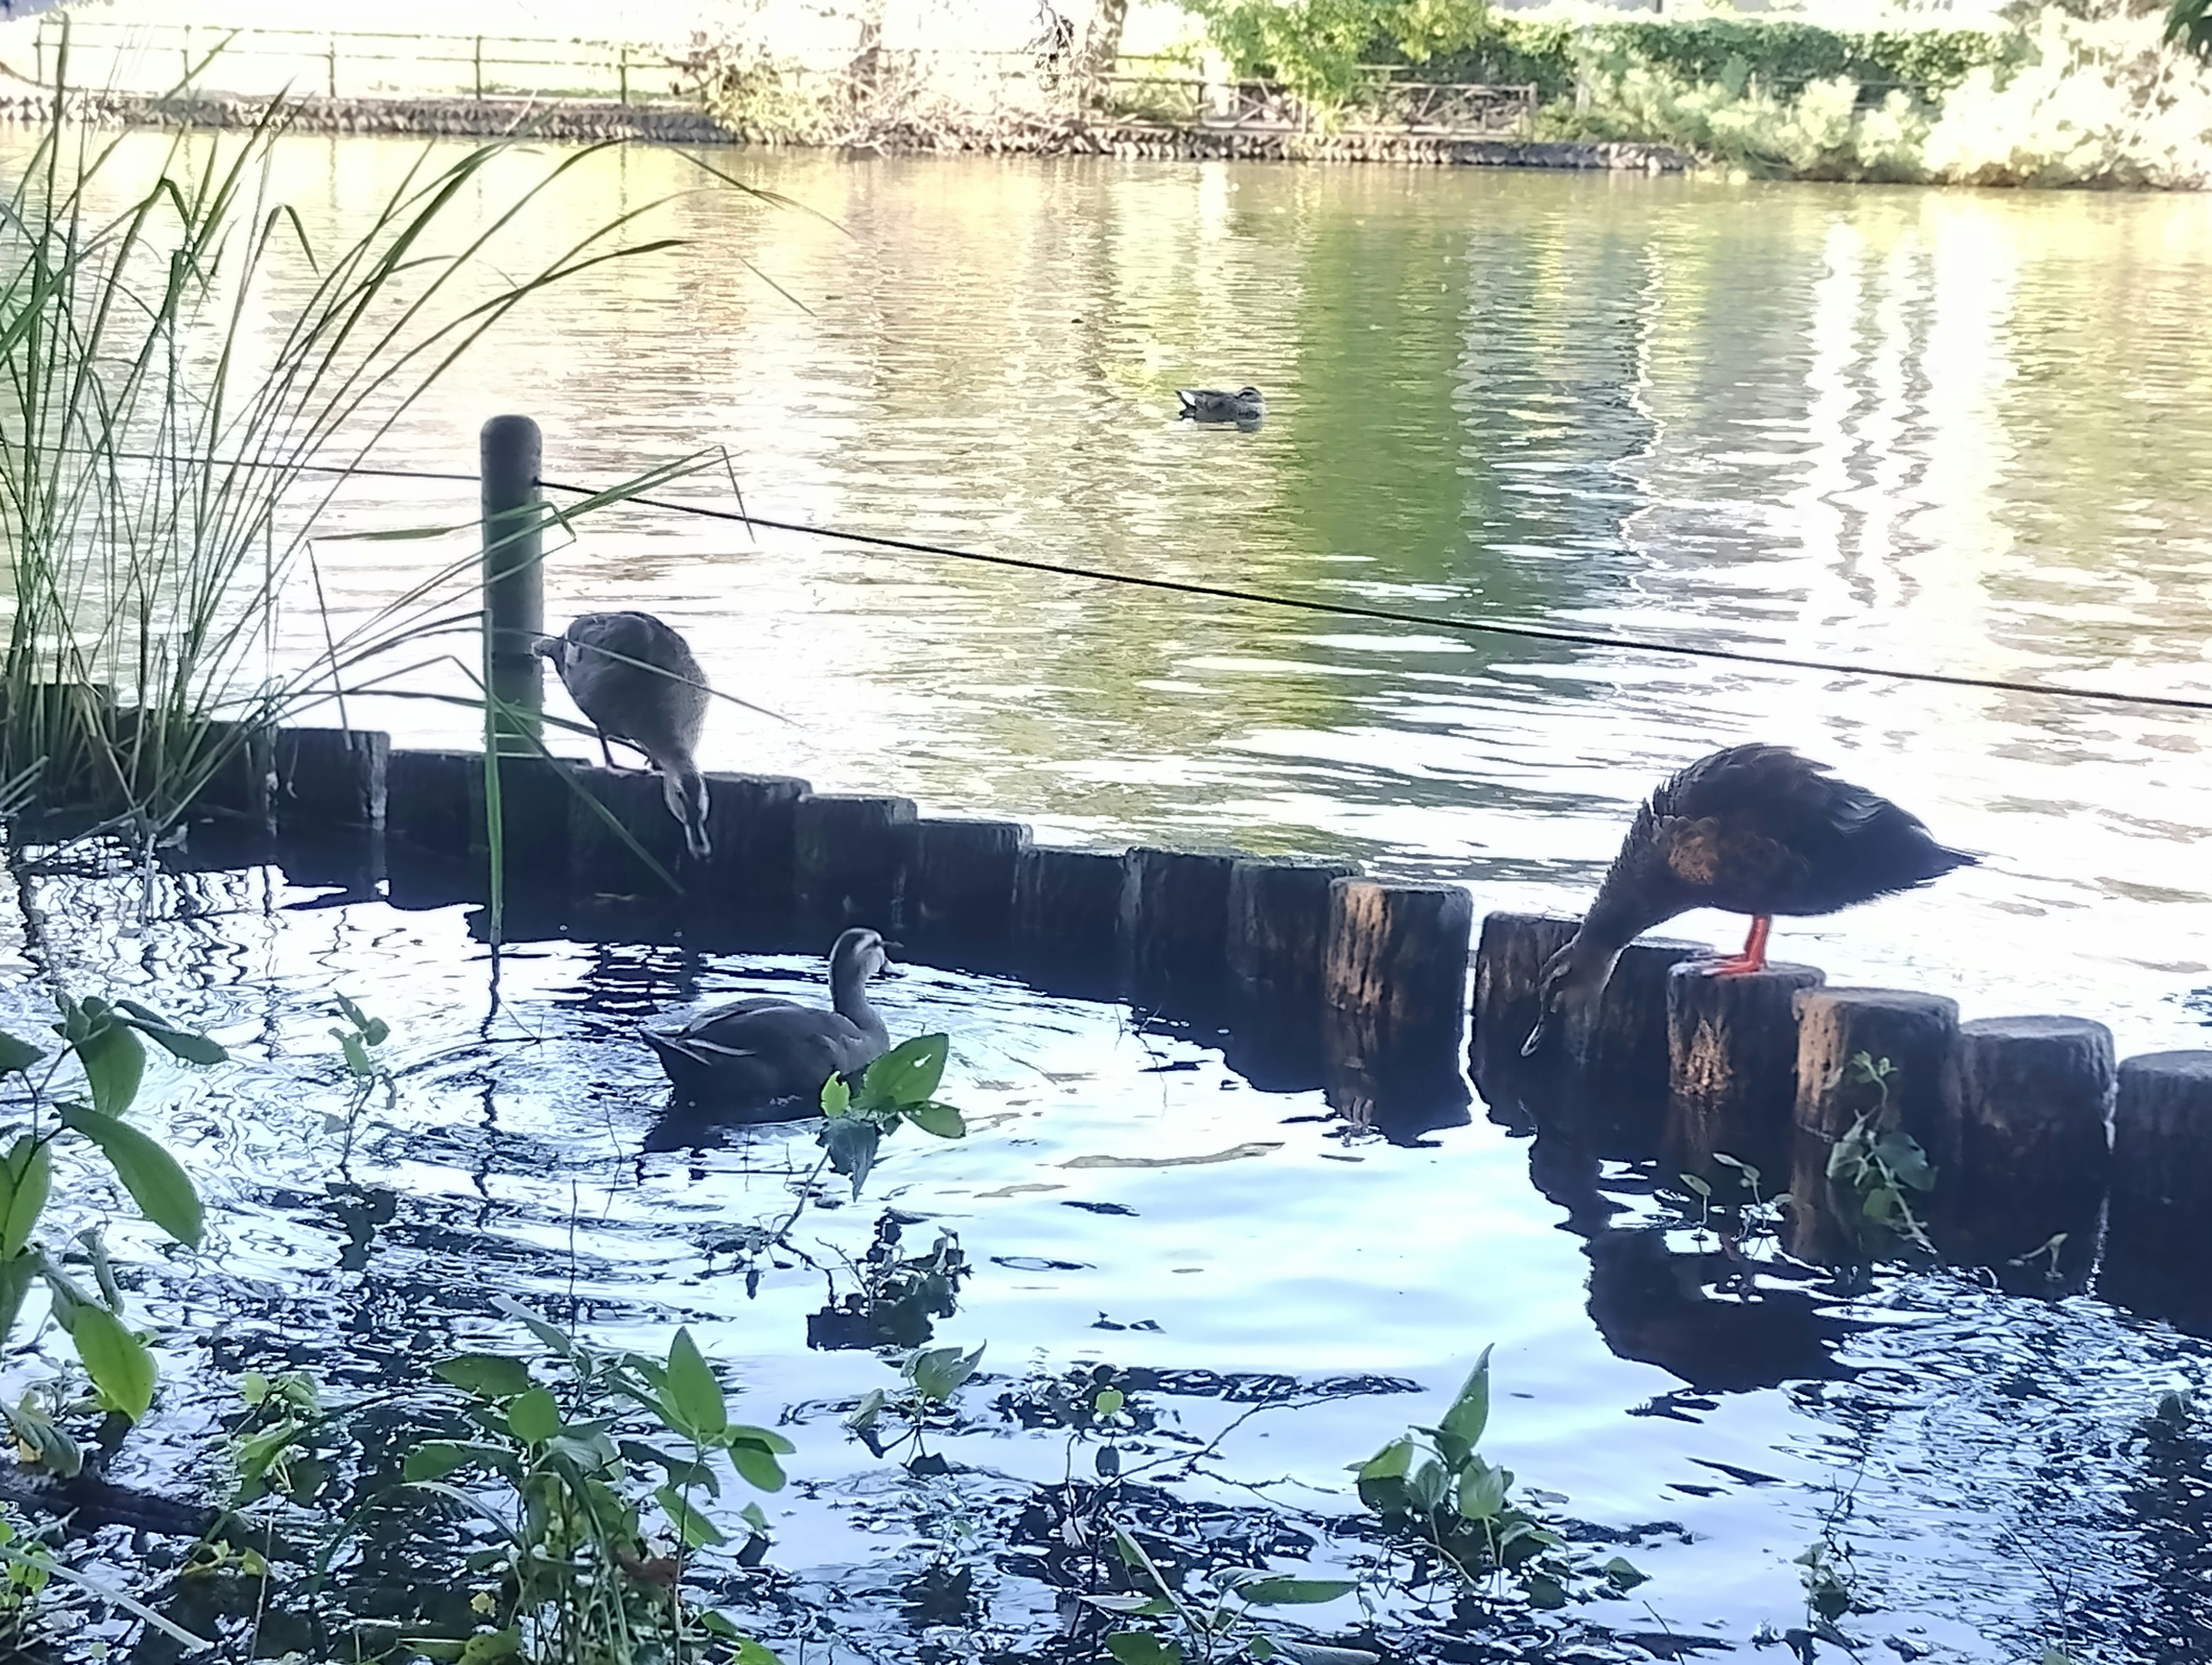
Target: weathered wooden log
[2026,1147]
[332,778]
[752,825]
[959,889]
[1067,911]
[1732,1061]
[1394,993]
[427,799]
[2161,1187]
[1173,924]
[602,863]
[1509,966]
[1874,1056]
[847,856]
[1621,1041]
[533,828]
[240,763]
[1278,932]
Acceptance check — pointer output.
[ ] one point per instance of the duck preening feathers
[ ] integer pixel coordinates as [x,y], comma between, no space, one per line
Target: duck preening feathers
[635,679]
[1755,830]
[1213,404]
[754,1051]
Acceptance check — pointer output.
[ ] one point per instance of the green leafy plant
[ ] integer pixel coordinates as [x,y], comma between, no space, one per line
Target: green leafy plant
[589,1577]
[898,1296]
[1322,49]
[930,1379]
[1215,1617]
[108,1042]
[899,1087]
[1433,1490]
[1880,1166]
[2188,25]
[280,1412]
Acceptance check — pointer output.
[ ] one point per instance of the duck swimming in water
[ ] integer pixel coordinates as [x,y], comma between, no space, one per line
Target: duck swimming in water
[1755,830]
[636,681]
[752,1051]
[1212,404]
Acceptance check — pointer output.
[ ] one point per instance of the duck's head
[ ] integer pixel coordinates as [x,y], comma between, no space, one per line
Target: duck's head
[859,955]
[1572,980]
[1252,393]
[555,648]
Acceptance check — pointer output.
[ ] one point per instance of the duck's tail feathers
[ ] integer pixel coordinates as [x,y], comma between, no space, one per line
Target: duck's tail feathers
[686,789]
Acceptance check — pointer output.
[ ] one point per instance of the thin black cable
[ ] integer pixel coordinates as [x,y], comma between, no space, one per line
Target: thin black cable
[1254,598]
[1478,627]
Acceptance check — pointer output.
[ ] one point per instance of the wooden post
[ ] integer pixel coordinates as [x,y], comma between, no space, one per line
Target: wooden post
[1508,964]
[2027,1146]
[334,69]
[535,797]
[1175,922]
[959,887]
[427,804]
[1394,989]
[479,68]
[621,75]
[1066,913]
[1912,1035]
[1623,1042]
[752,823]
[511,451]
[1732,1061]
[243,758]
[332,778]
[1277,932]
[2161,1187]
[601,865]
[848,852]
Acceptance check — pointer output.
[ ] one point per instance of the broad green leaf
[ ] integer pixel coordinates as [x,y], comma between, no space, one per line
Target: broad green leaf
[1692,1183]
[851,1143]
[1285,1592]
[177,1042]
[117,1362]
[16,1056]
[49,1443]
[434,1459]
[1544,1592]
[693,1399]
[162,1190]
[680,1471]
[532,1417]
[1624,1573]
[695,1528]
[1142,1648]
[870,1407]
[16,1274]
[754,1516]
[358,1063]
[1427,1484]
[489,1647]
[114,1060]
[352,1013]
[1482,1490]
[253,1387]
[941,1119]
[906,1074]
[1470,1411]
[26,1179]
[741,1433]
[1107,1401]
[1392,1462]
[750,1652]
[758,1468]
[837,1096]
[487,1375]
[938,1374]
[557,1340]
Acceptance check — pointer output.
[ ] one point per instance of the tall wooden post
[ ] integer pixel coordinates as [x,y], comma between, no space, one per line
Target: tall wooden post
[511,449]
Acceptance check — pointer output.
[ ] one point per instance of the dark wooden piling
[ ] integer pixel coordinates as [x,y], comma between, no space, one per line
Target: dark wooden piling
[1067,915]
[1277,932]
[534,802]
[604,865]
[238,760]
[1173,925]
[427,797]
[2026,1146]
[959,887]
[1509,966]
[332,778]
[1912,1034]
[848,853]
[510,453]
[2161,1188]
[1732,1061]
[1394,990]
[1623,1042]
[752,825]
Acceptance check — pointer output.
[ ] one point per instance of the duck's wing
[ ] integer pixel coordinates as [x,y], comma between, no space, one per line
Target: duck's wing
[637,680]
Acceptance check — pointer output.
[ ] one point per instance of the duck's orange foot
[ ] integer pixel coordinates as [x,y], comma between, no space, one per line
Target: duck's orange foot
[1754,957]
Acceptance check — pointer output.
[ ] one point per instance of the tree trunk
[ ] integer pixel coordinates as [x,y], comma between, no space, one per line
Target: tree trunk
[1102,51]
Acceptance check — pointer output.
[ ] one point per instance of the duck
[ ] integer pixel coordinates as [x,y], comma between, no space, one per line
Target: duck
[1212,404]
[757,1050]
[1755,830]
[635,680]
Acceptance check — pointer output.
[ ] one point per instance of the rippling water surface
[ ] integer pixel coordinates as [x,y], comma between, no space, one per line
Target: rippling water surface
[1969,433]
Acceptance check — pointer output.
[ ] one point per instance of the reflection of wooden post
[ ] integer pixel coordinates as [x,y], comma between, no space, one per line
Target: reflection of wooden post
[513,576]
[1394,983]
[1732,1055]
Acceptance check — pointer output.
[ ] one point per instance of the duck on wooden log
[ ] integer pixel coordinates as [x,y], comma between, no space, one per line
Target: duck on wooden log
[2026,1147]
[848,855]
[1870,1066]
[1732,1062]
[1755,830]
[959,887]
[2161,1187]
[752,1053]
[635,680]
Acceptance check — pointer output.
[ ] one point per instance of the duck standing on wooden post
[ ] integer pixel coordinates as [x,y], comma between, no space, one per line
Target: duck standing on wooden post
[635,680]
[1755,830]
[755,1051]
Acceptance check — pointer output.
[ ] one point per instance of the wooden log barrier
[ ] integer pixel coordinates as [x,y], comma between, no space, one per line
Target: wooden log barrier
[2027,1146]
[1622,1042]
[534,801]
[2161,1188]
[1278,932]
[959,887]
[1174,926]
[602,865]
[1732,1062]
[1509,966]
[1905,1039]
[752,825]
[332,778]
[848,855]
[241,763]
[426,821]
[1066,914]
[1394,989]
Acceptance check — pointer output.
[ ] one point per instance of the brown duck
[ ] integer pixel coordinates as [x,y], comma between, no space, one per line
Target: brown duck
[637,682]
[1755,830]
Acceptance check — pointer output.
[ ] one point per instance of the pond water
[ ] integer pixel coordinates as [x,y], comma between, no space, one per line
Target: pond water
[1953,431]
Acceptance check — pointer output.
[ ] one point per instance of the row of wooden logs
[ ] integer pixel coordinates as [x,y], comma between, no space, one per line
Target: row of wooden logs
[2029,1122]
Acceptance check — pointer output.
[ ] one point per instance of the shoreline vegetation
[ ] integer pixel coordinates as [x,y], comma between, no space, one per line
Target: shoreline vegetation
[2082,93]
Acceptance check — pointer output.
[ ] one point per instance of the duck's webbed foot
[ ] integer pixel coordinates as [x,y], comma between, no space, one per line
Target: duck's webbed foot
[1754,957]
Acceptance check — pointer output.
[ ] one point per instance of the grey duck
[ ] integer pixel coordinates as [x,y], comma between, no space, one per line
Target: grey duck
[753,1051]
[1213,404]
[635,680]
